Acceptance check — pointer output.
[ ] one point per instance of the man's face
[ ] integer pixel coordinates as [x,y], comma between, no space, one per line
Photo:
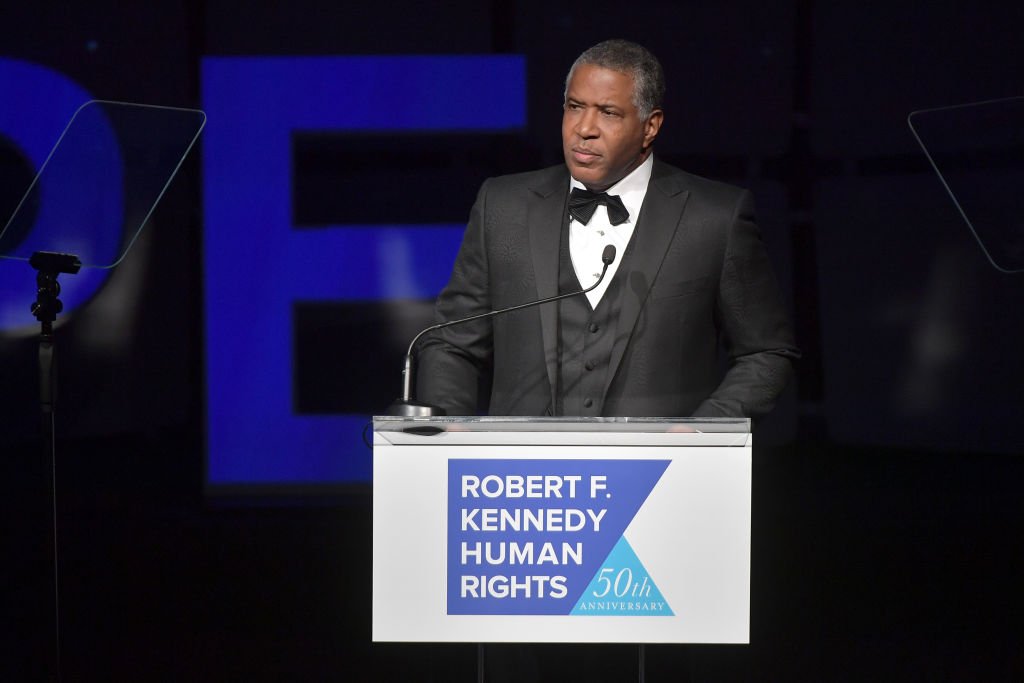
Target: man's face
[603,137]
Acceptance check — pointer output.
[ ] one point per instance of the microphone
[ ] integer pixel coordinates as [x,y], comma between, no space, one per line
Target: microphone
[408,407]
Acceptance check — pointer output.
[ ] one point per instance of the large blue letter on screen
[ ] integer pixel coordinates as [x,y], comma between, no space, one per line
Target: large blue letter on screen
[256,265]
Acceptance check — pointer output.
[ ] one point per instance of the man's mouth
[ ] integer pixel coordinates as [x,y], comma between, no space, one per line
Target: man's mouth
[584,155]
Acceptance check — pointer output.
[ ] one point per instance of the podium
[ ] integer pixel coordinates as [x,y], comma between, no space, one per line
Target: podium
[561,530]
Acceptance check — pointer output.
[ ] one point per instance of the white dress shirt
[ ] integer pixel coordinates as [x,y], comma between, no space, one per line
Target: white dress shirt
[587,242]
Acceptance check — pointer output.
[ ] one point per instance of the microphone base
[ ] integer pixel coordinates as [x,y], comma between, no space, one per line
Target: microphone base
[403,408]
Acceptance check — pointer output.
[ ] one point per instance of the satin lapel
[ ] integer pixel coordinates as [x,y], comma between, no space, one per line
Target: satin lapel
[660,217]
[544,217]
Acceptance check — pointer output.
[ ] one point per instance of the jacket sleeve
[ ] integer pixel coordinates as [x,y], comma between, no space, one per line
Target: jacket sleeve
[753,324]
[455,361]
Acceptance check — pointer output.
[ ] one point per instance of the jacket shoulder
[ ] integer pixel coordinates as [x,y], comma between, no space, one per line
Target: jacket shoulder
[543,182]
[674,180]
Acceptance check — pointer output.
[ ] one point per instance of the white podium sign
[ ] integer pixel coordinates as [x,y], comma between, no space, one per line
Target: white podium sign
[620,530]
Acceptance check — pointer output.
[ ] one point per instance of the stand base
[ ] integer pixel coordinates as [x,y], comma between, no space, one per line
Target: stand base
[403,408]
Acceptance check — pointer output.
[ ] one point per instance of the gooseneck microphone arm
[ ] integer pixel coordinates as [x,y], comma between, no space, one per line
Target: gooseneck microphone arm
[406,406]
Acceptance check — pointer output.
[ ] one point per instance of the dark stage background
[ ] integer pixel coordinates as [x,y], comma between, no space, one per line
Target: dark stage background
[888,523]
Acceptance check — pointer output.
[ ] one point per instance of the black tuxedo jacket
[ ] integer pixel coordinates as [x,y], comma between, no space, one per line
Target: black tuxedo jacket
[699,280]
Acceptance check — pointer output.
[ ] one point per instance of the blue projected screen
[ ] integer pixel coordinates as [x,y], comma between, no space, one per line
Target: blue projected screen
[281,278]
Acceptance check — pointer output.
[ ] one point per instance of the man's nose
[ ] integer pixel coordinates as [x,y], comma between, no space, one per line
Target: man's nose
[587,126]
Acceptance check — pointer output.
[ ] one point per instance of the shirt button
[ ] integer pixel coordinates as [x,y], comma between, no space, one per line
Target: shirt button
[589,365]
[588,402]
[593,327]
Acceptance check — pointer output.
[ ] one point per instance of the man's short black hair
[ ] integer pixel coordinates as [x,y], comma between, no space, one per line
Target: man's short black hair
[633,60]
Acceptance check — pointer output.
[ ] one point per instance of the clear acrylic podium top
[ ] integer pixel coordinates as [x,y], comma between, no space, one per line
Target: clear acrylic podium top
[461,430]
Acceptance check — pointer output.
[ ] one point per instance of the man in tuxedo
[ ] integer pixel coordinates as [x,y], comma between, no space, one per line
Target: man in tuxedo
[691,276]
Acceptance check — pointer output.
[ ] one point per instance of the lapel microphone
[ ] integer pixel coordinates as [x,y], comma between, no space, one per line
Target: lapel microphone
[408,407]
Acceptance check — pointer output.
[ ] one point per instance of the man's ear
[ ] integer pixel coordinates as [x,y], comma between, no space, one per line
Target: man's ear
[652,126]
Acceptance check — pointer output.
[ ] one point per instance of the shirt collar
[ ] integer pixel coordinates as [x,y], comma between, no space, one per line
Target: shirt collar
[631,189]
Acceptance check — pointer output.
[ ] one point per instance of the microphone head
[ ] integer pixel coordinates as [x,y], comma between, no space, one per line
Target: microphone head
[608,256]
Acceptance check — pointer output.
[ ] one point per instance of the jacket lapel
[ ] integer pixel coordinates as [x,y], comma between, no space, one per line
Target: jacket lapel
[660,217]
[545,213]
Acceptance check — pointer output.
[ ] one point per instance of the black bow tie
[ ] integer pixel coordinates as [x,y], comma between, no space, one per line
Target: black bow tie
[583,204]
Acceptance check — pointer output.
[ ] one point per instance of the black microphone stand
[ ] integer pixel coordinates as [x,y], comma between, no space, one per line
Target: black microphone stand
[408,407]
[45,308]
